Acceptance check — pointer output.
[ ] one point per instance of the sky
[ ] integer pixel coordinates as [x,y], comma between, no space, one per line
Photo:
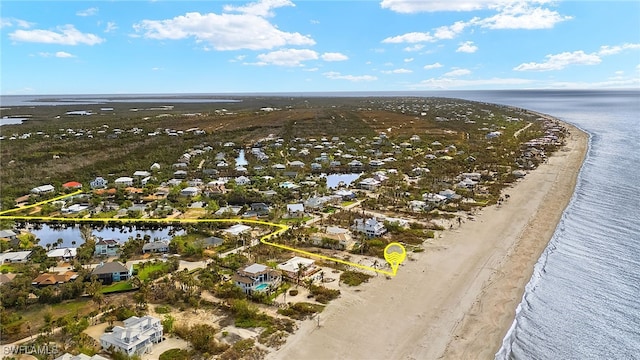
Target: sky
[229,46]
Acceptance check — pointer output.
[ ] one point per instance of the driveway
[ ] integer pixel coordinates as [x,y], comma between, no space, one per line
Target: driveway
[168,344]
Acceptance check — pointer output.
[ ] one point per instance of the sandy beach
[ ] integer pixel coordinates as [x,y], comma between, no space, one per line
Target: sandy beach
[457,299]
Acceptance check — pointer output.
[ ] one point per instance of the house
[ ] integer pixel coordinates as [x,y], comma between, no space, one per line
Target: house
[47,279]
[155,166]
[228,210]
[141,174]
[108,247]
[43,189]
[160,246]
[124,181]
[334,237]
[242,180]
[98,183]
[62,254]
[298,266]
[434,198]
[7,278]
[295,210]
[112,271]
[260,209]
[74,209]
[370,227]
[369,184]
[449,194]
[355,165]
[257,278]
[296,163]
[346,195]
[13,257]
[9,235]
[180,174]
[237,229]
[72,185]
[136,337]
[190,191]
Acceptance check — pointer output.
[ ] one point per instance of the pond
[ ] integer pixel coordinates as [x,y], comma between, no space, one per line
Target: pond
[334,180]
[49,235]
[240,160]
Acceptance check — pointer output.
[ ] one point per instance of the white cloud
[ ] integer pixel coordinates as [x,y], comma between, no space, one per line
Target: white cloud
[59,54]
[416,47]
[467,47]
[560,61]
[414,6]
[612,50]
[9,22]
[287,57]
[262,8]
[337,76]
[412,37]
[334,56]
[88,12]
[432,66]
[311,69]
[453,83]
[520,15]
[63,54]
[457,72]
[111,26]
[408,60]
[397,71]
[156,68]
[65,35]
[225,31]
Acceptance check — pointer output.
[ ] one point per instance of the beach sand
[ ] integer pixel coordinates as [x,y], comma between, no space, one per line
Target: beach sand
[457,299]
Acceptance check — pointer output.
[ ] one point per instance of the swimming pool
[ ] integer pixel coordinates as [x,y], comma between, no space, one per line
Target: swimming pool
[262,287]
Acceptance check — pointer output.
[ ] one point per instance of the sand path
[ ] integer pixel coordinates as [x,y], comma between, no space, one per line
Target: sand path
[458,298]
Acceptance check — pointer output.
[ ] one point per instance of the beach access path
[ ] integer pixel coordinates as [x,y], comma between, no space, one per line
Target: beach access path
[457,299]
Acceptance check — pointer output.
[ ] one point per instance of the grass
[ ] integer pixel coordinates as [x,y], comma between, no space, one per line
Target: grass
[347,203]
[118,286]
[295,220]
[144,272]
[354,278]
[7,268]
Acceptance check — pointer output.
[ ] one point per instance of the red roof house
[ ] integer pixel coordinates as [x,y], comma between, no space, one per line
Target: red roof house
[72,185]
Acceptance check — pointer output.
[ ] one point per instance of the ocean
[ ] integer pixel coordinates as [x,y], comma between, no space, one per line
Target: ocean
[583,301]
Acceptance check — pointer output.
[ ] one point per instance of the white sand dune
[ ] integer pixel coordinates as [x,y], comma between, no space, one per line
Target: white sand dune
[458,298]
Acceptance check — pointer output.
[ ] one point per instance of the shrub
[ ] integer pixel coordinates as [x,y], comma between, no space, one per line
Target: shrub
[322,294]
[163,309]
[175,354]
[354,278]
[293,292]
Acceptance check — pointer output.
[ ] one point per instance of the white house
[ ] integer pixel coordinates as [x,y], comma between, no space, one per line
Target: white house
[44,189]
[242,180]
[63,253]
[295,210]
[370,227]
[189,191]
[257,278]
[136,337]
[15,257]
[290,267]
[237,229]
[124,181]
[369,184]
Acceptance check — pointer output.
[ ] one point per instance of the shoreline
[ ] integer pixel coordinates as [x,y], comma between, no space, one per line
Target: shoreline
[458,298]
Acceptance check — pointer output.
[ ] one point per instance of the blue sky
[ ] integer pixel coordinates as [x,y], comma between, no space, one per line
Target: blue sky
[80,47]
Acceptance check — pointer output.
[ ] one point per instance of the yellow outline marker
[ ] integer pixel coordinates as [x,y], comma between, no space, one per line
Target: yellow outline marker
[281,228]
[395,254]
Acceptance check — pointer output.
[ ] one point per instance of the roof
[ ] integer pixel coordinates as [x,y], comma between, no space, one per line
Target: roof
[7,233]
[62,252]
[295,208]
[52,279]
[72,184]
[292,264]
[255,268]
[67,356]
[238,229]
[161,244]
[107,242]
[15,256]
[6,278]
[109,268]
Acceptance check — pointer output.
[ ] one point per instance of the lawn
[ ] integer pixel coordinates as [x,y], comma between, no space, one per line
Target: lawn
[118,286]
[295,220]
[7,268]
[144,272]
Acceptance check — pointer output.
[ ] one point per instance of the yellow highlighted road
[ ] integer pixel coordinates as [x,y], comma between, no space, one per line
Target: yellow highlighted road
[264,239]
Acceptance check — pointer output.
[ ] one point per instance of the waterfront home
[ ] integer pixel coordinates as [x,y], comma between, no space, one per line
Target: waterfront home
[257,278]
[112,271]
[210,242]
[136,337]
[74,209]
[109,247]
[298,267]
[62,254]
[369,184]
[8,235]
[159,246]
[15,257]
[370,227]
